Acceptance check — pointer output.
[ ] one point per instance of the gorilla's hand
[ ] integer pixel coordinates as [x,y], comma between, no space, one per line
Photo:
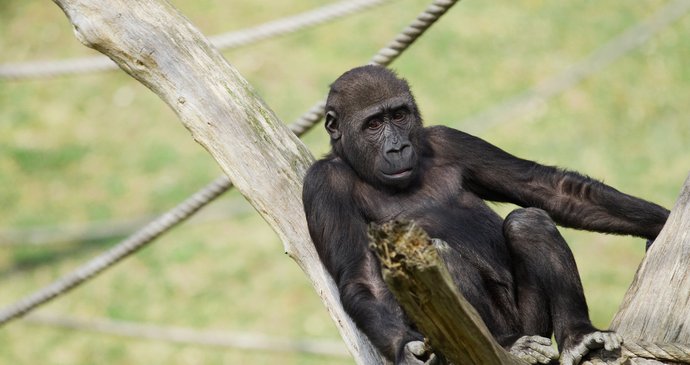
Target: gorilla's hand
[417,353]
[534,349]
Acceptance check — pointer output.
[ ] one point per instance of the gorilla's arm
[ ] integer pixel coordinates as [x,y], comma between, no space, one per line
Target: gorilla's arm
[572,200]
[339,233]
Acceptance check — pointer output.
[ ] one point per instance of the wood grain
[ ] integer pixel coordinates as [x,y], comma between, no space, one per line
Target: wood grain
[155,44]
[419,279]
[656,307]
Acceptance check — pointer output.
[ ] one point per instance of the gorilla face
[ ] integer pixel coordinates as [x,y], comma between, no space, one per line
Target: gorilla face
[373,122]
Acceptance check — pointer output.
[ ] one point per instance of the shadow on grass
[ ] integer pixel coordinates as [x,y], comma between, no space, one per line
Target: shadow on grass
[28,258]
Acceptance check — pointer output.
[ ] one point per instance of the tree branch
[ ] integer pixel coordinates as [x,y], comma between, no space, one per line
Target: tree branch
[656,307]
[156,45]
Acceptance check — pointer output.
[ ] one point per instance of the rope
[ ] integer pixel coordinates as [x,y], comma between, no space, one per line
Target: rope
[188,336]
[124,249]
[538,95]
[669,352]
[192,204]
[617,47]
[117,228]
[383,57]
[675,352]
[229,40]
[599,59]
[293,24]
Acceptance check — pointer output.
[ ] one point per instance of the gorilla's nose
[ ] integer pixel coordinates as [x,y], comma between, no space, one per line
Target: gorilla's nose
[397,147]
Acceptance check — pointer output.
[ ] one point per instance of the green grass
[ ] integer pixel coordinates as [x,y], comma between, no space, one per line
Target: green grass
[101,146]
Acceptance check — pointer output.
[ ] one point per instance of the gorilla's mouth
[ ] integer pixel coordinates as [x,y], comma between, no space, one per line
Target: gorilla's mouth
[400,174]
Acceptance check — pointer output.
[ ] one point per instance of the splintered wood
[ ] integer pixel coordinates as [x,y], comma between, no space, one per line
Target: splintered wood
[401,243]
[417,276]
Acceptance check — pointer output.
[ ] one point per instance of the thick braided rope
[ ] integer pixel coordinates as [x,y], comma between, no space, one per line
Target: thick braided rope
[43,69]
[675,352]
[192,204]
[670,352]
[125,248]
[293,24]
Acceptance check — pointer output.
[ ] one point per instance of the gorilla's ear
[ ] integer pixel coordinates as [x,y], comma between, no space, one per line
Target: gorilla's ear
[332,125]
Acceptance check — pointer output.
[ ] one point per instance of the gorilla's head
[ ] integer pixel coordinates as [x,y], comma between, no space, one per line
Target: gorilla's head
[374,125]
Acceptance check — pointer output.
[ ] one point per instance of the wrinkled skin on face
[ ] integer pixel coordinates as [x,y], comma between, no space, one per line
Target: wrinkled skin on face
[374,125]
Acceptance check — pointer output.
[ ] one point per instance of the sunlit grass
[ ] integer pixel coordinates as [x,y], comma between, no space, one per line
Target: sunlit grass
[98,147]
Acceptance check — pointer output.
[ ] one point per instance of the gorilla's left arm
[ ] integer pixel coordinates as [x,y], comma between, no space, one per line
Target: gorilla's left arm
[572,200]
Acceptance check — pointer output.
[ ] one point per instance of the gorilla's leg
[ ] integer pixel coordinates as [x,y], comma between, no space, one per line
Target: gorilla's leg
[549,292]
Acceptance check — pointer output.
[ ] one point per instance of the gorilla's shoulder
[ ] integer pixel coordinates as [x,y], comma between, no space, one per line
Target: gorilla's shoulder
[442,132]
[442,139]
[330,172]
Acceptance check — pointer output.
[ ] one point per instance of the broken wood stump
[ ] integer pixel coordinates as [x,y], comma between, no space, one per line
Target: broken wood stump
[419,279]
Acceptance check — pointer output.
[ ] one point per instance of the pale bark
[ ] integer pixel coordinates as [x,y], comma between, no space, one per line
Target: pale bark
[156,45]
[656,307]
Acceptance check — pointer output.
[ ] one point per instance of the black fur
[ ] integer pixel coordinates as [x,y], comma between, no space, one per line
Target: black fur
[519,273]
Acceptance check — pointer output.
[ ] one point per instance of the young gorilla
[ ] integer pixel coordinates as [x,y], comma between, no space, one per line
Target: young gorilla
[519,273]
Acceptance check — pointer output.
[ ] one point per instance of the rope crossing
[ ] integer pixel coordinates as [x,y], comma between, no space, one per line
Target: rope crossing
[204,196]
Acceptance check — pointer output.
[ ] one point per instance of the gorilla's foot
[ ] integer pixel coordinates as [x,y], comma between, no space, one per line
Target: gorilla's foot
[599,339]
[534,349]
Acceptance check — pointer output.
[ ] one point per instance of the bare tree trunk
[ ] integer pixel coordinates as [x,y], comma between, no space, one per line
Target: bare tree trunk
[156,45]
[656,307]
[654,318]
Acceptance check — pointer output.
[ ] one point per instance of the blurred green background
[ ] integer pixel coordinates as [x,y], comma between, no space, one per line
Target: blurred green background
[99,147]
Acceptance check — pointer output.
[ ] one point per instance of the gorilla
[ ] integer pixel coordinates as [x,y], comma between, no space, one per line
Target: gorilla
[517,272]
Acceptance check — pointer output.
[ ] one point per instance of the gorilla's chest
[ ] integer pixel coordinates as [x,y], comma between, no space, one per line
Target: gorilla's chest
[445,210]
[441,206]
[439,199]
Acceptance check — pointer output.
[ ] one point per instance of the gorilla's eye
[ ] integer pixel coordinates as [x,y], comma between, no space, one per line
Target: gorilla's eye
[374,124]
[399,115]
